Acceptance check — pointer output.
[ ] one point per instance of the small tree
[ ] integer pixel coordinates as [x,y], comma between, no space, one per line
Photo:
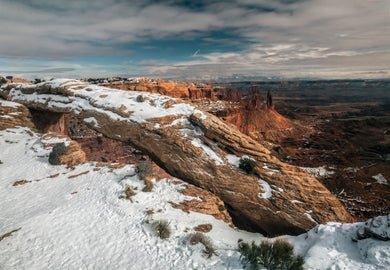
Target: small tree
[247,164]
[58,150]
[276,255]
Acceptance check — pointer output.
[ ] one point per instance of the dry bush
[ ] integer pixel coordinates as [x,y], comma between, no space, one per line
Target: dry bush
[144,169]
[148,186]
[197,237]
[161,229]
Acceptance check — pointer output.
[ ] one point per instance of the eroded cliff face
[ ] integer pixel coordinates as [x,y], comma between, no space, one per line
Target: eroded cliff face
[197,147]
[254,115]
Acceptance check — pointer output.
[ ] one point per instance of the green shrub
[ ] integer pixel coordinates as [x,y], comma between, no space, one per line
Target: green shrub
[276,255]
[148,186]
[209,249]
[247,164]
[140,98]
[161,229]
[144,169]
[58,150]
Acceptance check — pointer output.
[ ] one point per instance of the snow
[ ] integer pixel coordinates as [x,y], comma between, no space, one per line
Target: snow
[154,105]
[380,179]
[269,170]
[52,139]
[318,171]
[295,201]
[6,103]
[307,213]
[80,223]
[93,121]
[233,159]
[267,189]
[206,149]
[330,246]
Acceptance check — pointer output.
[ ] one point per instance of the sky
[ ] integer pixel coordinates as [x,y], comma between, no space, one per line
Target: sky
[195,40]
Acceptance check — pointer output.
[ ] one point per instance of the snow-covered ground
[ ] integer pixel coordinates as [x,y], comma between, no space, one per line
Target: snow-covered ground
[80,222]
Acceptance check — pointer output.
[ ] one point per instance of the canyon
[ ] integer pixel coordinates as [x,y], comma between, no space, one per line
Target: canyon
[338,130]
[197,147]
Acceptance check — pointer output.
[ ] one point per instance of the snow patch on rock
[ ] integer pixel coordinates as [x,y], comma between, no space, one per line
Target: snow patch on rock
[380,179]
[267,190]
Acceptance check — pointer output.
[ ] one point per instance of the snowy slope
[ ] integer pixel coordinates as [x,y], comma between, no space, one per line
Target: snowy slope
[93,228]
[80,223]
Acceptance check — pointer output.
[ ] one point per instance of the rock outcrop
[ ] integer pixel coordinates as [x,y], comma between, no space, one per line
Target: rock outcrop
[378,227]
[73,155]
[13,115]
[197,147]
[204,202]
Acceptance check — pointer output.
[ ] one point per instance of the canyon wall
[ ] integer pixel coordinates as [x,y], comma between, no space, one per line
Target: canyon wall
[197,147]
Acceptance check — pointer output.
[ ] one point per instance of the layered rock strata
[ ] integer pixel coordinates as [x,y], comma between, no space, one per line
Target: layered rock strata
[197,147]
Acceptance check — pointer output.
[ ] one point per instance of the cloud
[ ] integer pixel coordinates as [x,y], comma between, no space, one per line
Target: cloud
[49,70]
[263,35]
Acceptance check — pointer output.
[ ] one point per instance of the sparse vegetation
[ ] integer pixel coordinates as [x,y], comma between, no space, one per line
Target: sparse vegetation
[2,80]
[140,98]
[128,194]
[144,169]
[209,249]
[161,229]
[58,150]
[247,164]
[276,255]
[148,186]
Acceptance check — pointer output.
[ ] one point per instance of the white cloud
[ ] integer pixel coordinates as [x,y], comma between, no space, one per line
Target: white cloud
[284,33]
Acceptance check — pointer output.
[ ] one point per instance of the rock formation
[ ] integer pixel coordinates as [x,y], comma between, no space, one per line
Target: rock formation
[378,227]
[73,155]
[203,202]
[254,115]
[197,147]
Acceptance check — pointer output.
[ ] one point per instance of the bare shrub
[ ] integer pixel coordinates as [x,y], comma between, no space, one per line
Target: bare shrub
[144,169]
[161,229]
[128,194]
[197,237]
[148,186]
